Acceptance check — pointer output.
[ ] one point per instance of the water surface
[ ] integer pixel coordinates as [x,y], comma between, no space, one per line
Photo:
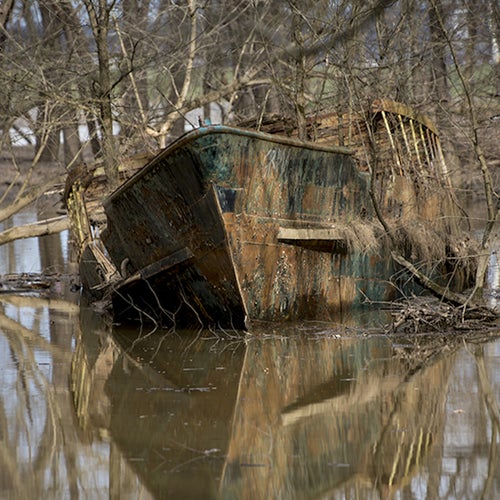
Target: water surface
[90,410]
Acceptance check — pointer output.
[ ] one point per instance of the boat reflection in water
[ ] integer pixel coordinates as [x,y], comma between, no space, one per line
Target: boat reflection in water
[343,419]
[296,414]
[165,402]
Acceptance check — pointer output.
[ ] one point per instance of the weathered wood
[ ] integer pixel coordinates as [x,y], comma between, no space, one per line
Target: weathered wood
[398,108]
[308,234]
[326,240]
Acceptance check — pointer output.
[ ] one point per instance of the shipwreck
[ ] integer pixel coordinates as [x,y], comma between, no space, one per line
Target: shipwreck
[229,225]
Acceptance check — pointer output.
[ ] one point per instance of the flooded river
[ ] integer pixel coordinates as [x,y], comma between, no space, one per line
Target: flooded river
[88,410]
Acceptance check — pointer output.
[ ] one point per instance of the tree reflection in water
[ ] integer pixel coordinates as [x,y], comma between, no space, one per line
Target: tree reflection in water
[42,453]
[286,414]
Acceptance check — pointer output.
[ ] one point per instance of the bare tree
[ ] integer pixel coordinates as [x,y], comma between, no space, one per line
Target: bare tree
[130,81]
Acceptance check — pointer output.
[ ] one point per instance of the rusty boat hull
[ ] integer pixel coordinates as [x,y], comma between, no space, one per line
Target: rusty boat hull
[227,225]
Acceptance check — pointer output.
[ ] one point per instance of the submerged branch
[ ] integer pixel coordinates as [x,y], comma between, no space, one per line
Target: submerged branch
[466,302]
[452,311]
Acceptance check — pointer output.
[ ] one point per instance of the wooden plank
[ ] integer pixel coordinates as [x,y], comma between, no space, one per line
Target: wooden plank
[405,137]
[386,105]
[160,266]
[415,143]
[393,144]
[319,239]
[308,234]
[425,145]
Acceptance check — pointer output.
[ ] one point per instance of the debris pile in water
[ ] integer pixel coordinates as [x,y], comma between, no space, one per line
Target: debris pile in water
[429,314]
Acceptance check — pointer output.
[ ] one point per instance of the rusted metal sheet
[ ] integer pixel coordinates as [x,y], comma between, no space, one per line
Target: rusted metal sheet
[183,214]
[322,239]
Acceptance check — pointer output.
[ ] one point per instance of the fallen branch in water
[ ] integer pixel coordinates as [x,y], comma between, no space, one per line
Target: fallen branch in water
[29,282]
[443,293]
[28,197]
[41,228]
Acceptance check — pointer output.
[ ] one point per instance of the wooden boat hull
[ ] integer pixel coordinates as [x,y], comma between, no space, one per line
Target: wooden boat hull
[227,225]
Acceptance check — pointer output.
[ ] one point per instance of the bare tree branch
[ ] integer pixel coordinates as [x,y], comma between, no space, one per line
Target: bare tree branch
[40,228]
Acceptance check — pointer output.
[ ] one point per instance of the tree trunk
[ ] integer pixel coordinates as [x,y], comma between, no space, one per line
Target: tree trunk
[438,69]
[50,147]
[99,17]
[494,24]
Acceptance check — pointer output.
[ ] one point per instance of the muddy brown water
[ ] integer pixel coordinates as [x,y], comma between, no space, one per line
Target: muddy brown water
[88,410]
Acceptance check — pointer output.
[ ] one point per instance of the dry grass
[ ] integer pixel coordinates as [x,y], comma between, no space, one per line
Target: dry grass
[418,241]
[421,242]
[361,236]
[438,251]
